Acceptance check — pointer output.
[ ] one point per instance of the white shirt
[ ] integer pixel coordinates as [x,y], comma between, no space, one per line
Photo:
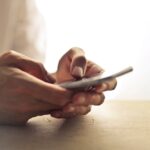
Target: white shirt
[21,28]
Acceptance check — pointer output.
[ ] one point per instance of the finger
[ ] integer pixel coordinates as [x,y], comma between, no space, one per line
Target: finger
[14,59]
[40,106]
[35,108]
[52,94]
[107,86]
[73,112]
[78,62]
[72,65]
[88,98]
[39,89]
[30,106]
[93,69]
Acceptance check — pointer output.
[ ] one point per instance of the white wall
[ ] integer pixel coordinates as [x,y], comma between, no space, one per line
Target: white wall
[113,33]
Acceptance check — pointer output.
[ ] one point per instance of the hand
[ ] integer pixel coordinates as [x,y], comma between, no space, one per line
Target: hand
[25,91]
[72,66]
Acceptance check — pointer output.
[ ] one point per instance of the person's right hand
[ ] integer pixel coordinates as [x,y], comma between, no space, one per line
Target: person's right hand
[25,91]
[72,66]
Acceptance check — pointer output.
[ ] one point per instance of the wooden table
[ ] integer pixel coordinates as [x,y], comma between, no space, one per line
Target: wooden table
[116,125]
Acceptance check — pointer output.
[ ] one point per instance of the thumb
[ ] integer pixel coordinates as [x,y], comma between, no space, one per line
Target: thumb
[78,64]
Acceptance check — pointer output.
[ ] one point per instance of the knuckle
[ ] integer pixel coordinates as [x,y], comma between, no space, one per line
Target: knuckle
[108,85]
[75,50]
[61,103]
[101,99]
[41,67]
[8,53]
[97,99]
[40,64]
[88,109]
[72,50]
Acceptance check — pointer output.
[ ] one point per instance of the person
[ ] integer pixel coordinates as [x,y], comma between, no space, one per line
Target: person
[28,90]
[22,28]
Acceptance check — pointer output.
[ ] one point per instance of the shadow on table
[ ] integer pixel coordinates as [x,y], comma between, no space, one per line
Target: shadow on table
[48,133]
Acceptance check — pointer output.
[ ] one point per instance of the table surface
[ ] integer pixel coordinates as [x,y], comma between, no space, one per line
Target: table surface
[115,125]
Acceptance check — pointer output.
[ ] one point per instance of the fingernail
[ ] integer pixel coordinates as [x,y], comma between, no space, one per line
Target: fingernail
[77,71]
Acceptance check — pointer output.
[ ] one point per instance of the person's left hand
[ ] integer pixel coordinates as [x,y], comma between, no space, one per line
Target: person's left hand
[72,66]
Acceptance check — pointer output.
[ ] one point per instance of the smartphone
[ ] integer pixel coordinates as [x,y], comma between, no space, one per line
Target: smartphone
[93,81]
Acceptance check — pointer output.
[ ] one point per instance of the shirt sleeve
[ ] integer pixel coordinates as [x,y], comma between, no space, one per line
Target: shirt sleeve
[29,34]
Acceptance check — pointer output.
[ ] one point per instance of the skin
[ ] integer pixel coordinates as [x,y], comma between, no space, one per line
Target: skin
[28,90]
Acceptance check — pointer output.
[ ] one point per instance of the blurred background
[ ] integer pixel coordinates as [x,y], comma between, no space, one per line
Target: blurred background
[114,34]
